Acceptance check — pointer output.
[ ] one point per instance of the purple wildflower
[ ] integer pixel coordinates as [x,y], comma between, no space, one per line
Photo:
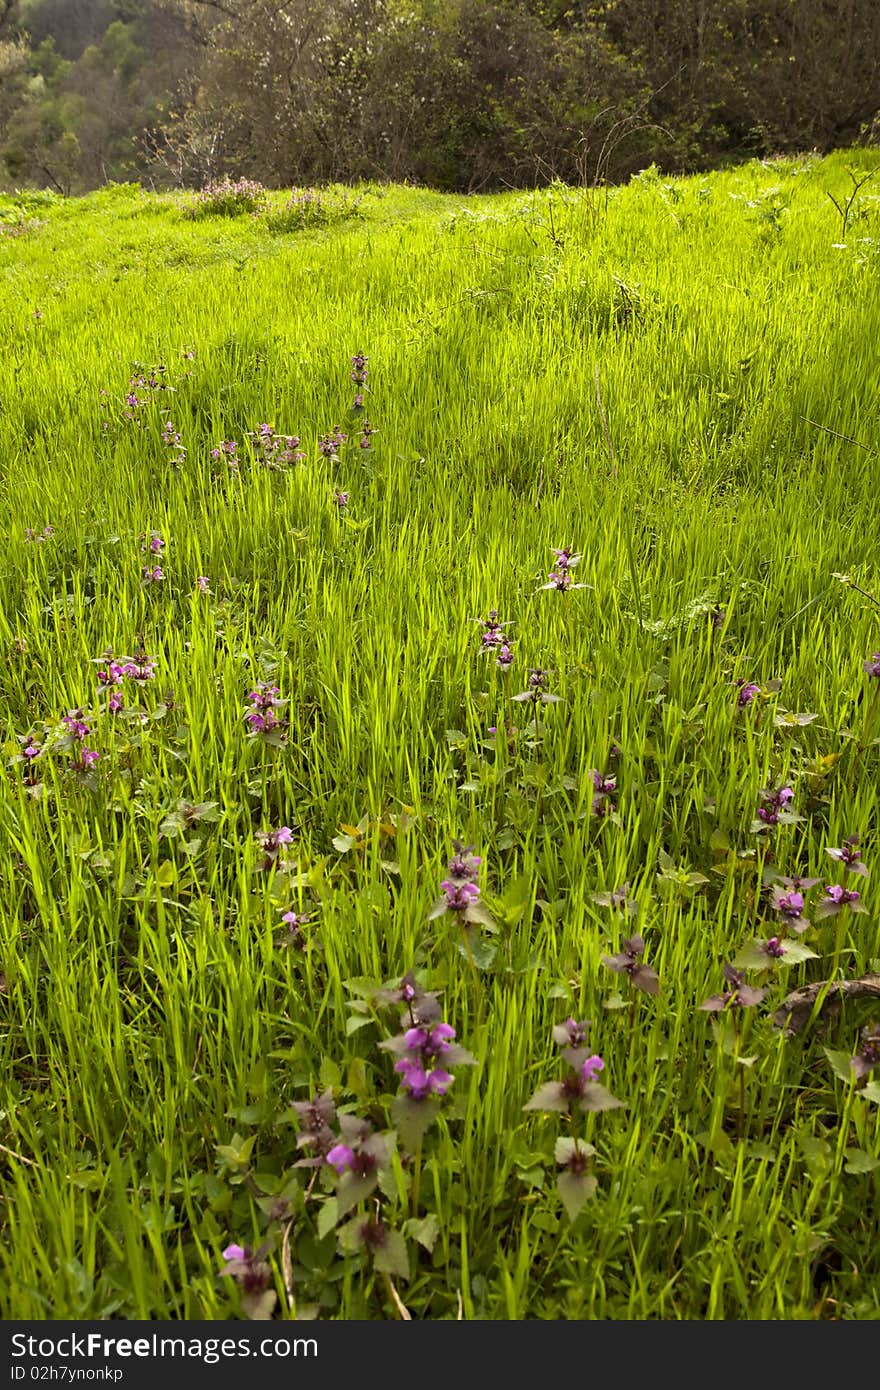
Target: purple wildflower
[464,864]
[271,842]
[76,725]
[775,803]
[341,1157]
[872,666]
[790,907]
[367,430]
[202,583]
[571,1033]
[330,444]
[627,962]
[837,899]
[868,1055]
[739,994]
[424,1053]
[747,693]
[459,896]
[591,1067]
[317,1115]
[849,856]
[578,1089]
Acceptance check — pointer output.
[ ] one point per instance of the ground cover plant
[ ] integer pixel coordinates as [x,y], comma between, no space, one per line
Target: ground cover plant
[441,710]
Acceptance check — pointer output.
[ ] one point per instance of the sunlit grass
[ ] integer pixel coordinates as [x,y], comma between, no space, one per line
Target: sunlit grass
[149,1013]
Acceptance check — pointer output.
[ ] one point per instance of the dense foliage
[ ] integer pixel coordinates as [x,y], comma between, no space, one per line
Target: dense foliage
[457,94]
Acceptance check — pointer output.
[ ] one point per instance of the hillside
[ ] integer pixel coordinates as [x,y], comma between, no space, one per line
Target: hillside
[270,612]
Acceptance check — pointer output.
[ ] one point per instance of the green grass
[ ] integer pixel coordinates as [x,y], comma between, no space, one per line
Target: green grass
[148,1013]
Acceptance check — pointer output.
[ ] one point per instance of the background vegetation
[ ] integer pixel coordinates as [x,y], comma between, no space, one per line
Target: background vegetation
[457,94]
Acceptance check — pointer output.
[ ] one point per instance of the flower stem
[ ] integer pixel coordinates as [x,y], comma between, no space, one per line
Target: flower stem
[416,1181]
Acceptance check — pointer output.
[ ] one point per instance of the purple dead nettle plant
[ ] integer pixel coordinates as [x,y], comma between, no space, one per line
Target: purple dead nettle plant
[774,809]
[316,1133]
[294,936]
[493,636]
[736,997]
[868,1055]
[619,900]
[114,671]
[461,897]
[253,1275]
[172,439]
[275,451]
[82,759]
[358,375]
[227,452]
[628,962]
[604,788]
[748,691]
[425,1050]
[271,842]
[265,716]
[872,666]
[340,500]
[330,444]
[203,584]
[366,435]
[537,694]
[787,901]
[44,535]
[561,578]
[837,896]
[361,1161]
[850,856]
[577,1093]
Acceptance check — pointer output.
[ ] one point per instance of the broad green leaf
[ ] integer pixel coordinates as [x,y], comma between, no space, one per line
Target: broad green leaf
[575,1189]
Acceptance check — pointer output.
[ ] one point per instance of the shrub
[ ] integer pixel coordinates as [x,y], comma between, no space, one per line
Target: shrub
[310,207]
[228,198]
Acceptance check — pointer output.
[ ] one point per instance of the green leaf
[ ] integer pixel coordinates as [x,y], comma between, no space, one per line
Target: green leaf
[596,1097]
[353,1189]
[841,1064]
[752,957]
[575,1189]
[793,952]
[259,1307]
[165,874]
[330,1075]
[327,1217]
[425,1231]
[516,899]
[548,1098]
[412,1119]
[614,1001]
[391,1257]
[860,1162]
[482,952]
[351,1235]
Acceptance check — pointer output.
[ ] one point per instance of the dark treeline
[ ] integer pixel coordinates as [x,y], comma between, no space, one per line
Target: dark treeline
[459,94]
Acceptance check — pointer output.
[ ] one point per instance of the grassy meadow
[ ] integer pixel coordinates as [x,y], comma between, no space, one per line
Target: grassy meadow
[281,647]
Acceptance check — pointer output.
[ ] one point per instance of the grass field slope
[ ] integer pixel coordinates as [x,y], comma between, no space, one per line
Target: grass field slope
[440,708]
